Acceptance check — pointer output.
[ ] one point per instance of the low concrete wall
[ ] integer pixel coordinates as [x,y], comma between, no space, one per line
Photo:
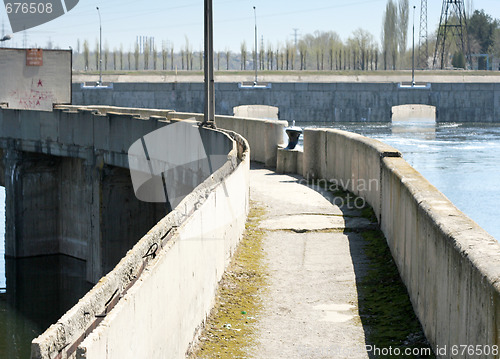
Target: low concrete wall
[263,136]
[164,287]
[448,263]
[348,159]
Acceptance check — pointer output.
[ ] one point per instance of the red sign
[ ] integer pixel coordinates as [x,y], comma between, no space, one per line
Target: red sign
[34,57]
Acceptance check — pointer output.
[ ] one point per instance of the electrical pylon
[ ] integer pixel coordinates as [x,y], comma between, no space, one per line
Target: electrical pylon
[423,45]
[453,23]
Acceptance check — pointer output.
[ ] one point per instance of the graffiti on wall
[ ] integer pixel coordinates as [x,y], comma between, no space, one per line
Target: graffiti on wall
[34,98]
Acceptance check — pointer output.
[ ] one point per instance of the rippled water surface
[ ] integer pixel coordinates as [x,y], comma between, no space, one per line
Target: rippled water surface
[34,293]
[461,160]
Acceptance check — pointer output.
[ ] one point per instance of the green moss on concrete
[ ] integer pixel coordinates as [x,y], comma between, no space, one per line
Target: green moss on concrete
[383,301]
[384,304]
[229,330]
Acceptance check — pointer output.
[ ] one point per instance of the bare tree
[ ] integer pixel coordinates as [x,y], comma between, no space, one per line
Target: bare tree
[96,52]
[361,43]
[389,35]
[243,49]
[136,56]
[121,56]
[86,52]
[106,56]
[164,55]
[172,57]
[228,55]
[155,57]
[262,55]
[402,25]
[146,55]
[189,55]
[303,54]
[129,58]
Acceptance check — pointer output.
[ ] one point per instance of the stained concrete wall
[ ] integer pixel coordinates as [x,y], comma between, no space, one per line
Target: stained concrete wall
[65,191]
[264,136]
[162,298]
[448,263]
[304,102]
[68,187]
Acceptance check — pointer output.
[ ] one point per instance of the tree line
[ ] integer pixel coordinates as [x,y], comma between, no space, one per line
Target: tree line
[320,51]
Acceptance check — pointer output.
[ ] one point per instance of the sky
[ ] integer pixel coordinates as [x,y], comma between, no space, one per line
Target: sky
[176,22]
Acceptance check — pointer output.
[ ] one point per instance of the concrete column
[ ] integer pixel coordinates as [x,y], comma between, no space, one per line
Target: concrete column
[123,218]
[72,206]
[32,201]
[117,218]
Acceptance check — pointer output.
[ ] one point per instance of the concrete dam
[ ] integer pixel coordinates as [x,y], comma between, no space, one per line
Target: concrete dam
[303,102]
[69,190]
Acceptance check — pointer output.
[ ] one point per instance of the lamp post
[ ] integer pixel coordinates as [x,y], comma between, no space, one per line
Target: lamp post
[413,51]
[100,48]
[209,113]
[255,55]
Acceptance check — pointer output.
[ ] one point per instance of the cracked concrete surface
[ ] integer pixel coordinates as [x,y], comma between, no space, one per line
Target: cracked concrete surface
[314,255]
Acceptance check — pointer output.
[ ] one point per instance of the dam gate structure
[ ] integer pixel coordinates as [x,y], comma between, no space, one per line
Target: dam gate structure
[310,102]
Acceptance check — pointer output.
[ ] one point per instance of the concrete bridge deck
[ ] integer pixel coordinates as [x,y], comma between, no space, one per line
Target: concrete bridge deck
[313,250]
[314,256]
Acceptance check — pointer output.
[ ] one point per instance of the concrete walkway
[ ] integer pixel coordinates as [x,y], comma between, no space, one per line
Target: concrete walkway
[315,258]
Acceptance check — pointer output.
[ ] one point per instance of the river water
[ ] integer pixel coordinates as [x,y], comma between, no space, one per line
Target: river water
[34,293]
[461,160]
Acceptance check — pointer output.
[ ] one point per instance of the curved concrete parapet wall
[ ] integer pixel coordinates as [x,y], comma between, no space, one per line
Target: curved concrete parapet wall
[348,159]
[152,302]
[264,136]
[450,265]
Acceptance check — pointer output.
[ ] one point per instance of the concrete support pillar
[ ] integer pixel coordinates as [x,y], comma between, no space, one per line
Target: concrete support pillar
[32,200]
[123,218]
[75,207]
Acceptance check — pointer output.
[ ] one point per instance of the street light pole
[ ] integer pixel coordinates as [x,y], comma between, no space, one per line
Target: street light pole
[255,55]
[100,47]
[209,113]
[413,51]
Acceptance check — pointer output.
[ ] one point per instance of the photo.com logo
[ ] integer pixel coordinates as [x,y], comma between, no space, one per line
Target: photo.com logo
[26,14]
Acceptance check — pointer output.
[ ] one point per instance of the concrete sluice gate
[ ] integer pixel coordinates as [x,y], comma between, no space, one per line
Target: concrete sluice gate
[89,182]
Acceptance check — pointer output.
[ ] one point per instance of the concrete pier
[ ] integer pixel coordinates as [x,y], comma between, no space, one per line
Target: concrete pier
[63,205]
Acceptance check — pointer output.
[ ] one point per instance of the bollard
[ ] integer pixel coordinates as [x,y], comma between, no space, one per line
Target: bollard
[293,137]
